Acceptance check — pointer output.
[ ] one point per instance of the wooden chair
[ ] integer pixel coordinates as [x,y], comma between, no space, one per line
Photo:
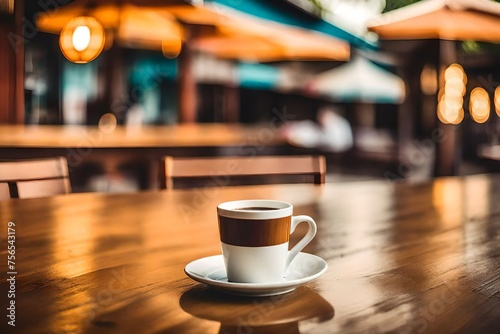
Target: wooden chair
[4,191]
[34,178]
[226,171]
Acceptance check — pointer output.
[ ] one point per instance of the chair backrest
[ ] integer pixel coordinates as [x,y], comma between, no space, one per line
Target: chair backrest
[226,171]
[4,191]
[34,178]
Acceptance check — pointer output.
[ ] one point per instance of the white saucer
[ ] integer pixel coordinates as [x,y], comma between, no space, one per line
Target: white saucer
[211,271]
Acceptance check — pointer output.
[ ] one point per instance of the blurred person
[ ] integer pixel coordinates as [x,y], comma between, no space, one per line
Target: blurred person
[303,133]
[336,131]
[135,115]
[331,132]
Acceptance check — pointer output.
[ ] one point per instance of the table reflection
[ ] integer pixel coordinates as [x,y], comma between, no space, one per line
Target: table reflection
[405,258]
[277,314]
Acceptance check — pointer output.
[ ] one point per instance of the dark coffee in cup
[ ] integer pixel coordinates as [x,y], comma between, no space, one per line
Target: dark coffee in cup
[256,208]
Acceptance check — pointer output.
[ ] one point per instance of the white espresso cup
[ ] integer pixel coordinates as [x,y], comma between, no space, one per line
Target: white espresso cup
[254,238]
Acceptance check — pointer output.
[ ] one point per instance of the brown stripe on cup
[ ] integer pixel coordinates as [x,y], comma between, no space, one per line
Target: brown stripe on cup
[253,232]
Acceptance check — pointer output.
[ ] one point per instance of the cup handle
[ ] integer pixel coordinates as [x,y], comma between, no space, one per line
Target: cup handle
[296,220]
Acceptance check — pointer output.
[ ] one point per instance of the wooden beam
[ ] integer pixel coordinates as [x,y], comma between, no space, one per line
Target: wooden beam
[231,104]
[12,66]
[187,86]
[19,66]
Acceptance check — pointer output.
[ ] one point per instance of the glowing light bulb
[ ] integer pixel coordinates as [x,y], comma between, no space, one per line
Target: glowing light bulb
[81,38]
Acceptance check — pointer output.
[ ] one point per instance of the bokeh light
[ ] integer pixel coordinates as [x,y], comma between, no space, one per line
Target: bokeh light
[451,96]
[497,100]
[455,71]
[429,80]
[454,87]
[479,105]
[107,123]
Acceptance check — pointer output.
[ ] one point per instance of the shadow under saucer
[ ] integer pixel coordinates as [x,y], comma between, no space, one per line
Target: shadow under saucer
[275,314]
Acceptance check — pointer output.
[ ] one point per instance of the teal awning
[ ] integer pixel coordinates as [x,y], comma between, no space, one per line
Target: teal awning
[257,76]
[285,13]
[149,71]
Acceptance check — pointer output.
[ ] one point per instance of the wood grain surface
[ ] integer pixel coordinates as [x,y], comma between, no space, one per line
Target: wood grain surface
[402,258]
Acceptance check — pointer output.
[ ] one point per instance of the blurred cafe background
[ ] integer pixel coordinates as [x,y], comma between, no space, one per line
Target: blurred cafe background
[401,90]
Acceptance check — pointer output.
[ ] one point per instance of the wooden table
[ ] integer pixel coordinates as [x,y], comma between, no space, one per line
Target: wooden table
[139,149]
[182,135]
[402,258]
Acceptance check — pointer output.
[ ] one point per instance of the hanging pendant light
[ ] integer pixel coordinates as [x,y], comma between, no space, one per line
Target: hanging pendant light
[82,39]
[171,48]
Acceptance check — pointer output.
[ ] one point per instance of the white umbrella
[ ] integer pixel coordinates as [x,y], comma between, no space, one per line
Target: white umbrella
[358,81]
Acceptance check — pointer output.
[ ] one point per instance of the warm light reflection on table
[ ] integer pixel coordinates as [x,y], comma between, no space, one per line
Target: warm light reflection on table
[402,257]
